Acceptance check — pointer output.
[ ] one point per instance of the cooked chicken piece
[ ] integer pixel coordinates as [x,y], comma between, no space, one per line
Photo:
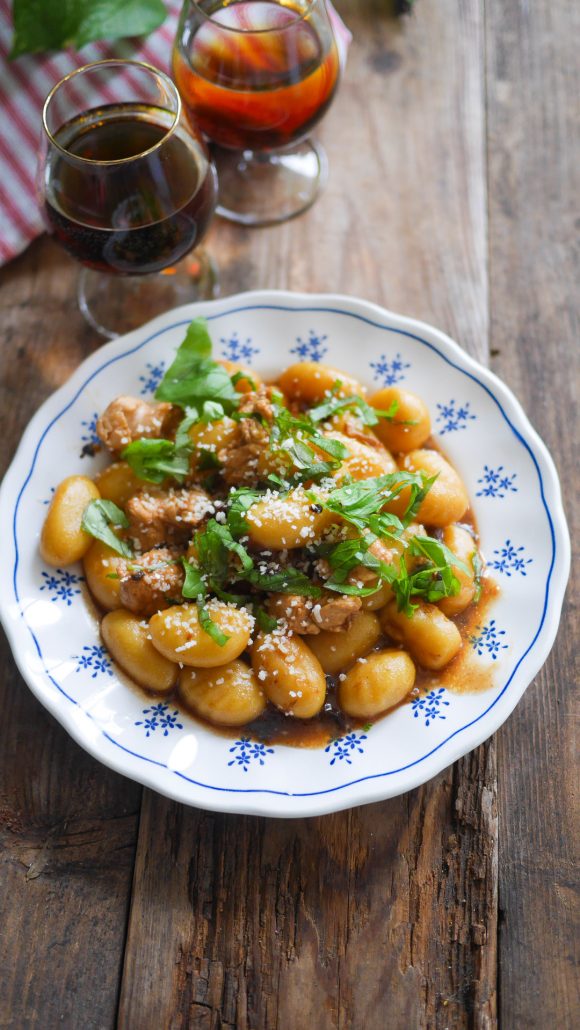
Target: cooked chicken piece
[166,518]
[240,460]
[352,426]
[257,402]
[130,418]
[307,616]
[364,576]
[151,581]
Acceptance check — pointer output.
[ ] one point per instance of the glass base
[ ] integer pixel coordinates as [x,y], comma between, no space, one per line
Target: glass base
[265,188]
[116,304]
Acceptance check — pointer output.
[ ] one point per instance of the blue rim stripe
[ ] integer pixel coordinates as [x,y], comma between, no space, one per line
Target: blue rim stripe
[376,325]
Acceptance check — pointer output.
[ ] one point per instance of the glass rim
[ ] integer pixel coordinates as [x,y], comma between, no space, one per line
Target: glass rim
[141,65]
[257,32]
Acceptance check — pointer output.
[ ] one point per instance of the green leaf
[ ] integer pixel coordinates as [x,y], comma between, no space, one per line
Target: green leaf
[369,416]
[193,378]
[287,581]
[154,460]
[209,626]
[267,623]
[98,517]
[240,501]
[358,501]
[45,25]
[194,585]
[478,567]
[207,461]
[436,551]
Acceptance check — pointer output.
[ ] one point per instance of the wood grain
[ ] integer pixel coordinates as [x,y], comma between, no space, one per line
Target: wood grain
[454,177]
[384,916]
[534,185]
[68,826]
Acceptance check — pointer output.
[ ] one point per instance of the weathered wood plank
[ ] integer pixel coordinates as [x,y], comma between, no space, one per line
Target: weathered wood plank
[534,184]
[384,916]
[67,825]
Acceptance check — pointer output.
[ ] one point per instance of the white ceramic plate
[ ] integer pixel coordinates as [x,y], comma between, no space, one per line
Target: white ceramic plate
[513,486]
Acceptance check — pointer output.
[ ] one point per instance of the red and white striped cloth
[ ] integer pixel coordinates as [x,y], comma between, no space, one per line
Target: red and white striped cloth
[24,86]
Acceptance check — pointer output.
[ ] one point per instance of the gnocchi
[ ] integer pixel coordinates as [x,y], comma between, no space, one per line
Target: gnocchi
[284,549]
[227,695]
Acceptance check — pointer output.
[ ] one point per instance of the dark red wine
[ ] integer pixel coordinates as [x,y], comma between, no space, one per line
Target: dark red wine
[123,198]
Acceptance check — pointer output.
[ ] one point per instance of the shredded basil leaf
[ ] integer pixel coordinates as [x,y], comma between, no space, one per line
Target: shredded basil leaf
[478,568]
[267,623]
[286,581]
[194,585]
[209,626]
[98,517]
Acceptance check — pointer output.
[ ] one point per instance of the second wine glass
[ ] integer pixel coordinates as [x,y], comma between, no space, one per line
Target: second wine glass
[256,76]
[127,188]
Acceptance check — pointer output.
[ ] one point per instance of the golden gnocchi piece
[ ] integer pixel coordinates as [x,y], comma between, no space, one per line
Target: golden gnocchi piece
[284,523]
[336,651]
[178,634]
[431,638]
[447,500]
[228,695]
[100,567]
[310,381]
[62,540]
[118,483]
[363,462]
[291,675]
[212,436]
[376,683]
[411,410]
[463,546]
[127,639]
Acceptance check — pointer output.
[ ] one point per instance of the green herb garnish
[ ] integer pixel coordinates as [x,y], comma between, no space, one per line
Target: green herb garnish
[98,517]
[41,25]
[155,460]
[478,568]
[209,626]
[369,416]
[194,378]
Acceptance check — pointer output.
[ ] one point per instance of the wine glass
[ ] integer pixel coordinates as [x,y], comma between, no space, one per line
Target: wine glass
[127,187]
[256,76]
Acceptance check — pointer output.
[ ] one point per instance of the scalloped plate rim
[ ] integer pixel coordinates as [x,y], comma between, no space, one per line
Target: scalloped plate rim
[362,790]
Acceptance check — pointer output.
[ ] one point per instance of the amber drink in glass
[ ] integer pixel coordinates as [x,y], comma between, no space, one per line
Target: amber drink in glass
[256,76]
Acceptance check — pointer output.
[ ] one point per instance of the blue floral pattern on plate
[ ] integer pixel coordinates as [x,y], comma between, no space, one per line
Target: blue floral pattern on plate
[487,639]
[94,657]
[510,559]
[344,749]
[246,751]
[389,371]
[89,437]
[152,377]
[496,483]
[312,349]
[429,706]
[159,717]
[234,349]
[61,585]
[453,417]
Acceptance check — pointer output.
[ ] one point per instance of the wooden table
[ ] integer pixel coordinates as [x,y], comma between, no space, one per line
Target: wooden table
[451,198]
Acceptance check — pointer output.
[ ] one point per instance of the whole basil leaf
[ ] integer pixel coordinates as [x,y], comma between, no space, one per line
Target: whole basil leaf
[97,519]
[42,25]
[193,377]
